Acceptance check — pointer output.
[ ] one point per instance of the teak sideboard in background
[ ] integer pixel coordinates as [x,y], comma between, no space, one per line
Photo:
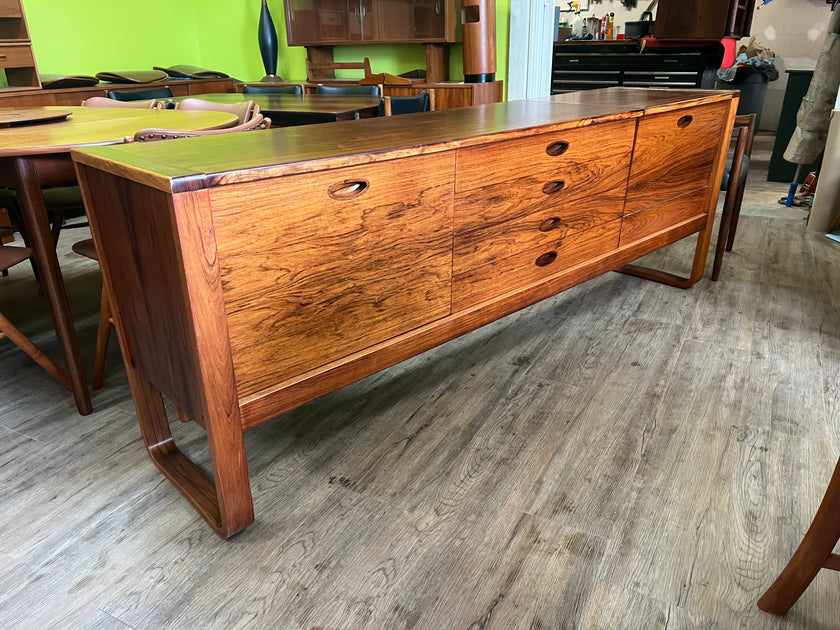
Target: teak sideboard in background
[251,273]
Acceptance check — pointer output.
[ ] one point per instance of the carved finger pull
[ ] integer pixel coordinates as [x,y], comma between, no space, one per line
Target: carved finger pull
[552,223]
[546,259]
[549,188]
[684,121]
[557,148]
[348,189]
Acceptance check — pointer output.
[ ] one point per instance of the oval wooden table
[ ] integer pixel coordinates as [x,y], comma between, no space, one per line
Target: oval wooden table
[38,156]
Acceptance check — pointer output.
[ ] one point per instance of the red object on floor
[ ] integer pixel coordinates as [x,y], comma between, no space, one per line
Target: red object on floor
[729,46]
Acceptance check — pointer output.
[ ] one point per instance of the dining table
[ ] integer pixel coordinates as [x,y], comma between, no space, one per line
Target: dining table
[289,110]
[35,148]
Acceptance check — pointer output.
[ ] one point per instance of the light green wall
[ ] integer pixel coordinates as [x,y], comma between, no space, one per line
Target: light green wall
[90,36]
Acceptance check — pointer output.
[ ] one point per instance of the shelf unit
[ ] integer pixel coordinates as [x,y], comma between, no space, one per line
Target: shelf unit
[17,63]
[706,20]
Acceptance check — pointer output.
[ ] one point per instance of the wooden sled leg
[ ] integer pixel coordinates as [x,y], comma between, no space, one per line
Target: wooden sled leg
[814,553]
[697,267]
[225,504]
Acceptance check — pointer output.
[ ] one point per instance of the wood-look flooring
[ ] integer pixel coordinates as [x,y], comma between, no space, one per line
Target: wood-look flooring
[625,455]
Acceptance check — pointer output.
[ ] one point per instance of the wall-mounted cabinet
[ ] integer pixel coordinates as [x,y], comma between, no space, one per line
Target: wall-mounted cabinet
[340,22]
[17,63]
[706,20]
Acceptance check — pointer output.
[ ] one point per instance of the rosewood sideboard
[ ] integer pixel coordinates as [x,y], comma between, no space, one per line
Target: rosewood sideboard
[251,273]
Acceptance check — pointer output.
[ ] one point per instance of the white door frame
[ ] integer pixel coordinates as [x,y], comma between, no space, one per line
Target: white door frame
[530,48]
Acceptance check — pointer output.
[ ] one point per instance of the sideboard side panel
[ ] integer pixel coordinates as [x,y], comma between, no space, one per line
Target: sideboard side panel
[135,233]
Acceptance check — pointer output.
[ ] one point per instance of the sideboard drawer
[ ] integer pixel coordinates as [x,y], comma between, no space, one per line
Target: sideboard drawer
[321,265]
[503,219]
[665,215]
[675,152]
[532,265]
[577,156]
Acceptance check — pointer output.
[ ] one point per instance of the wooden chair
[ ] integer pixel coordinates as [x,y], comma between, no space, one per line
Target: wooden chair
[734,181]
[153,135]
[395,105]
[295,90]
[9,257]
[244,111]
[101,101]
[815,552]
[313,68]
[349,90]
[139,95]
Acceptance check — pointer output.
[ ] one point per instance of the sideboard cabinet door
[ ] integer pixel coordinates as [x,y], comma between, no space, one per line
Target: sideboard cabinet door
[328,263]
[673,159]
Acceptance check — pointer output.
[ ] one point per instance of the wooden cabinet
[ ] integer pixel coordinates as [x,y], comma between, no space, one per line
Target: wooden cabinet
[17,62]
[251,273]
[449,95]
[336,22]
[37,97]
[709,20]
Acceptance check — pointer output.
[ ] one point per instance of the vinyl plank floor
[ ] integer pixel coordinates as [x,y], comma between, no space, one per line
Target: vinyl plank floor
[623,455]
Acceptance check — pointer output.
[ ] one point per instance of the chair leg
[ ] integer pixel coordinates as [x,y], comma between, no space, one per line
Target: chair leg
[8,329]
[736,213]
[723,232]
[813,554]
[55,228]
[103,334]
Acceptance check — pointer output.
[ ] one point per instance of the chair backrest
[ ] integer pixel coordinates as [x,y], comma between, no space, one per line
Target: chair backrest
[349,90]
[738,161]
[272,89]
[244,111]
[101,101]
[139,95]
[395,105]
[313,67]
[154,135]
[750,122]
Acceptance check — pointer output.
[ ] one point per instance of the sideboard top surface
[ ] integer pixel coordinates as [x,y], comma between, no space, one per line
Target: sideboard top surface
[240,157]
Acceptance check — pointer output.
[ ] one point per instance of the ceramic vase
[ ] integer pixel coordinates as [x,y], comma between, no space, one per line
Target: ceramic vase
[268,42]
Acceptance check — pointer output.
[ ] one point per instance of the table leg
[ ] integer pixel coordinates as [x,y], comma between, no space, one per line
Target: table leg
[34,215]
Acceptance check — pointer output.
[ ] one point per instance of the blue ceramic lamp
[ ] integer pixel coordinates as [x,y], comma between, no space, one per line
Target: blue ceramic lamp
[267,37]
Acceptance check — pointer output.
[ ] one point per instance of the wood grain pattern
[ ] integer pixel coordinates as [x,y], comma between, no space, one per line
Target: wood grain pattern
[133,236]
[581,163]
[658,173]
[645,222]
[371,266]
[497,220]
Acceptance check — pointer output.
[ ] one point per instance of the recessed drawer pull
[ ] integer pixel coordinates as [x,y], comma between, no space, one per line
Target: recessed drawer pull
[3,57]
[549,188]
[557,148]
[684,121]
[348,189]
[546,259]
[552,223]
